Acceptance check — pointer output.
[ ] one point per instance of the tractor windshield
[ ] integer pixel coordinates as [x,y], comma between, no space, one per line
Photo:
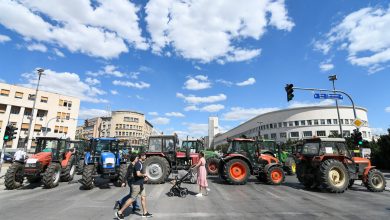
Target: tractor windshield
[238,146]
[310,148]
[268,145]
[155,145]
[48,145]
[105,145]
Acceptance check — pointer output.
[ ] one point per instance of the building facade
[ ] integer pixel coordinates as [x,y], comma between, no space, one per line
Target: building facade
[58,113]
[128,126]
[300,123]
[213,130]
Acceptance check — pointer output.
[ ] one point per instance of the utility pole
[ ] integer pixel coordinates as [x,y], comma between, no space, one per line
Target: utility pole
[30,133]
[333,78]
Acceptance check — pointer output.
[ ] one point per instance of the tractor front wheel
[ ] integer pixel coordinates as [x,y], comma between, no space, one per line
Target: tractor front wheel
[87,179]
[51,177]
[275,175]
[212,166]
[121,175]
[376,181]
[290,166]
[334,176]
[157,169]
[69,171]
[237,172]
[14,176]
[80,167]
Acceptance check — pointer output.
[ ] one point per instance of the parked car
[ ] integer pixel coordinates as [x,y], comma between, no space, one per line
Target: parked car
[8,158]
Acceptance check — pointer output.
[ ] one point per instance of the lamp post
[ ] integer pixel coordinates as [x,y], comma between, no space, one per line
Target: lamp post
[40,72]
[259,135]
[334,78]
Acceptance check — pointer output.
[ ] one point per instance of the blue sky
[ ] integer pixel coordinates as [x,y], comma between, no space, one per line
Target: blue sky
[182,61]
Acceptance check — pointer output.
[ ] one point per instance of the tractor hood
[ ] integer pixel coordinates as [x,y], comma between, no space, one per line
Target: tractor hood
[108,160]
[42,157]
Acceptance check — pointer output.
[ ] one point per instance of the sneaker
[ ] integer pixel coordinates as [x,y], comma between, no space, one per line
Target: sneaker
[117,205]
[199,195]
[208,189]
[119,216]
[147,215]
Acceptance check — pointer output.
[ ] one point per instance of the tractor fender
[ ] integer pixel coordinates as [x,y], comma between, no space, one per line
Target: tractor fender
[236,156]
[268,166]
[88,158]
[365,173]
[268,152]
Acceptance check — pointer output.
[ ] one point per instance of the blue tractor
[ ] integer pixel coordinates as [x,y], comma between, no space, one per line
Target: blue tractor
[103,158]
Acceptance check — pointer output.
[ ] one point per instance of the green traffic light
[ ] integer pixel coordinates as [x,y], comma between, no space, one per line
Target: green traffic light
[6,138]
[360,142]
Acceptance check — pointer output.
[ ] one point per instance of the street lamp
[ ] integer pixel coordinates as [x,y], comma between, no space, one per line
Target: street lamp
[334,78]
[40,72]
[259,122]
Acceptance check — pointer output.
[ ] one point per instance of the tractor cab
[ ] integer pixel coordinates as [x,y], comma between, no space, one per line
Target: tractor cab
[195,146]
[49,149]
[245,147]
[327,162]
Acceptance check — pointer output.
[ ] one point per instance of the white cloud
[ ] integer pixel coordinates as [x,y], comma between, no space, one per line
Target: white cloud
[326,67]
[247,82]
[2,81]
[92,81]
[108,70]
[191,99]
[197,67]
[364,34]
[378,131]
[191,108]
[137,85]
[160,121]
[96,28]
[65,83]
[211,30]
[296,104]
[196,129]
[207,108]
[153,113]
[243,114]
[4,38]
[58,52]
[139,97]
[114,92]
[37,47]
[92,113]
[387,109]
[197,83]
[175,114]
[225,82]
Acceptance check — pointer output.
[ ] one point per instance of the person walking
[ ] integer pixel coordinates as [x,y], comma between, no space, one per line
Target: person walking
[137,189]
[202,175]
[129,178]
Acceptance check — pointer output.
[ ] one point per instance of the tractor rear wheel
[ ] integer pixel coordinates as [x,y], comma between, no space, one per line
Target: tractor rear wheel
[303,175]
[237,172]
[80,166]
[157,168]
[334,176]
[87,179]
[376,181]
[51,177]
[69,171]
[121,175]
[275,175]
[290,166]
[212,166]
[14,176]
[34,179]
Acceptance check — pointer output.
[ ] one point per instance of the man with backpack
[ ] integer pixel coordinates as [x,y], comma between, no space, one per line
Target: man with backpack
[129,177]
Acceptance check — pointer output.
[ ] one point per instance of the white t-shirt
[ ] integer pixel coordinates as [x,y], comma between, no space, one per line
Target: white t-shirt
[20,155]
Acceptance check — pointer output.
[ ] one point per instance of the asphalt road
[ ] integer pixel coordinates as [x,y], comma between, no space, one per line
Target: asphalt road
[252,201]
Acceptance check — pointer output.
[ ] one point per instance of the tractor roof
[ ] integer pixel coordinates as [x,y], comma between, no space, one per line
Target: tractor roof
[242,139]
[104,139]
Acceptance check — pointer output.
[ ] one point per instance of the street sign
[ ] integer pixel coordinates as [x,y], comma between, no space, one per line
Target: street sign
[357,123]
[327,96]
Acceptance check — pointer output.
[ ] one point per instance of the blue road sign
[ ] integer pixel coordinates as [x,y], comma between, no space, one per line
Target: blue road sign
[327,96]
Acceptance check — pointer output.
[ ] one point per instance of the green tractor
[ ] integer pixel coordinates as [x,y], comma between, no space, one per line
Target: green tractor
[286,156]
[212,158]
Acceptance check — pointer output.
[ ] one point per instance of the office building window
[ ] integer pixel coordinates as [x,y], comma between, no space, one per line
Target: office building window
[315,122]
[303,123]
[5,92]
[15,110]
[266,136]
[321,133]
[342,121]
[273,136]
[335,121]
[283,135]
[296,123]
[284,124]
[346,121]
[294,134]
[322,121]
[270,126]
[31,97]
[275,125]
[334,133]
[307,133]
[346,133]
[329,121]
[19,95]
[280,124]
[290,123]
[309,122]
[44,99]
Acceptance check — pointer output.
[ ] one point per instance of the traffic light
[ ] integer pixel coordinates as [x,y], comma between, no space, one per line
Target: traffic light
[9,133]
[289,89]
[359,138]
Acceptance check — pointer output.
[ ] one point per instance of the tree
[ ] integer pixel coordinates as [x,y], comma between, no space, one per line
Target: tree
[380,151]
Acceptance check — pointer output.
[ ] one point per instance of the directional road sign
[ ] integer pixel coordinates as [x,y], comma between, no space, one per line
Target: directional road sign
[327,96]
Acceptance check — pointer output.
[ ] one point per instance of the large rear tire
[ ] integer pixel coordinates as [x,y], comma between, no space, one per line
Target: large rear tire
[275,175]
[87,179]
[334,176]
[157,168]
[376,182]
[212,166]
[121,175]
[237,172]
[14,176]
[80,166]
[69,171]
[290,166]
[51,177]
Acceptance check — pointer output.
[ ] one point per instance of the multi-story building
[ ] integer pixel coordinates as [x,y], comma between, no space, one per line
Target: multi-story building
[300,123]
[129,126]
[58,113]
[213,130]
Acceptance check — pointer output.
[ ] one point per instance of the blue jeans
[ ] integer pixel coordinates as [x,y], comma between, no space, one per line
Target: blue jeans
[128,196]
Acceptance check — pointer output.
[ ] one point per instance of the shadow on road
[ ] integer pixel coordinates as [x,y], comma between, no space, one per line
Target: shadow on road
[99,183]
[31,186]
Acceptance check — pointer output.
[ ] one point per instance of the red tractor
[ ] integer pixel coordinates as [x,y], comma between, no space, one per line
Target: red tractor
[327,163]
[52,162]
[163,156]
[243,159]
